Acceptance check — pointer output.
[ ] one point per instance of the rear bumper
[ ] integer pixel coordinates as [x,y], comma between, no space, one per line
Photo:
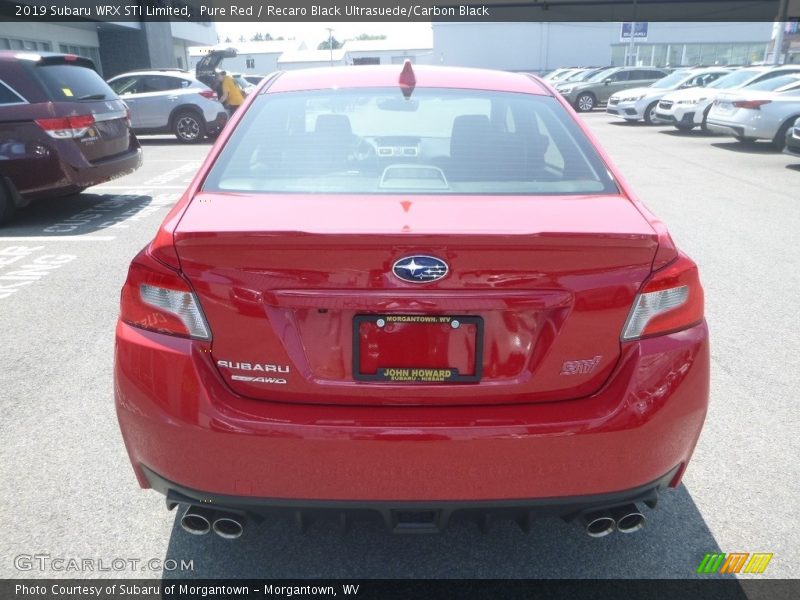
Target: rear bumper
[412,517]
[180,421]
[63,168]
[216,124]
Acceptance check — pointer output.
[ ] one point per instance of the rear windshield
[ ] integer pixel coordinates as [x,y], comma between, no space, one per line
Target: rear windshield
[65,82]
[437,141]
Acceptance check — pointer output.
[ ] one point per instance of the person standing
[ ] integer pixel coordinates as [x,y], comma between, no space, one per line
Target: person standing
[232,95]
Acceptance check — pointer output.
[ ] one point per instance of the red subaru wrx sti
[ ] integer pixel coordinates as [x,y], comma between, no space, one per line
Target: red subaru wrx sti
[419,293]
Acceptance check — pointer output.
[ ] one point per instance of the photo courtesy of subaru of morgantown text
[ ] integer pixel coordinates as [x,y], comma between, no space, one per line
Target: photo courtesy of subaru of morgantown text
[392,302]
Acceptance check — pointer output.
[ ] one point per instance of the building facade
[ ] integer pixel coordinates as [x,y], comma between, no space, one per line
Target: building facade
[114,47]
[540,47]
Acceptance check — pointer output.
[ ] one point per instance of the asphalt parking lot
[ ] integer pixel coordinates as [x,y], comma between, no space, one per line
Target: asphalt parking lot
[70,492]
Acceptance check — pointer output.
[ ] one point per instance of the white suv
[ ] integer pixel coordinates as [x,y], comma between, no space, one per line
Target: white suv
[170,101]
[686,109]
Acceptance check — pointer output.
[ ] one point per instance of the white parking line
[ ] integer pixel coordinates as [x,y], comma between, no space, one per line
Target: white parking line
[60,238]
[149,187]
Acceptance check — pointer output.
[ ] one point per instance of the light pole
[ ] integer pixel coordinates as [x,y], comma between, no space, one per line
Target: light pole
[330,42]
[777,52]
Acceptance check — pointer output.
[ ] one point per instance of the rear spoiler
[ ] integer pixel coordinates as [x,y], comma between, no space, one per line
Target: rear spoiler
[67,59]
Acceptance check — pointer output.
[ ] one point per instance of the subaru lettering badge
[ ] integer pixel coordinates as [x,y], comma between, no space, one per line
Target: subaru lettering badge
[420,269]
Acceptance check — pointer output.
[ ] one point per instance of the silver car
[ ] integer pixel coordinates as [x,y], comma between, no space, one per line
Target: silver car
[170,101]
[762,111]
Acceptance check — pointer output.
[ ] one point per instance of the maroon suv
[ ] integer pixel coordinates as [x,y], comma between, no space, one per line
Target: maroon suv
[62,129]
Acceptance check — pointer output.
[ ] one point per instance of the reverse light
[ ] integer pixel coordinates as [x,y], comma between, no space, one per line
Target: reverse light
[670,300]
[751,104]
[66,127]
[157,298]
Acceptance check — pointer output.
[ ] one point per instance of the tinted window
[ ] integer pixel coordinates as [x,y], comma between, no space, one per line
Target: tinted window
[439,141]
[7,96]
[774,83]
[734,79]
[159,83]
[126,85]
[72,82]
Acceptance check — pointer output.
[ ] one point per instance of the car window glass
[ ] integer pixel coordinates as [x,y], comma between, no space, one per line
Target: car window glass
[159,83]
[71,82]
[8,96]
[621,76]
[375,141]
[126,85]
[601,76]
[773,83]
[733,79]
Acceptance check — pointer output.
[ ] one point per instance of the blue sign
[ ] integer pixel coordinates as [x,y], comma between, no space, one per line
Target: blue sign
[639,31]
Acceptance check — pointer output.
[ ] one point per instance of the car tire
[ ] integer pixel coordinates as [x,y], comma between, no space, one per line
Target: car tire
[704,123]
[649,113]
[7,206]
[779,141]
[585,102]
[684,127]
[188,127]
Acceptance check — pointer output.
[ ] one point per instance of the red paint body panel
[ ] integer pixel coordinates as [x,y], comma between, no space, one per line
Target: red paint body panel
[539,271]
[183,422]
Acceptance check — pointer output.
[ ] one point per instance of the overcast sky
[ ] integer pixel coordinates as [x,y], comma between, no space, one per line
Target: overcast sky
[315,32]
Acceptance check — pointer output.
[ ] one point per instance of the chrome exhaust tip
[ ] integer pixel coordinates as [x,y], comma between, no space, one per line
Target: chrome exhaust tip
[599,523]
[229,527]
[628,518]
[196,521]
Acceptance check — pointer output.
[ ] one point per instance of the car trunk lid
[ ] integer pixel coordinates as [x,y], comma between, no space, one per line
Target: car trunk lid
[295,287]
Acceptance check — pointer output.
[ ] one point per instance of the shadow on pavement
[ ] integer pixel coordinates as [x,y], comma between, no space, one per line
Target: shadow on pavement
[164,140]
[76,215]
[671,546]
[747,147]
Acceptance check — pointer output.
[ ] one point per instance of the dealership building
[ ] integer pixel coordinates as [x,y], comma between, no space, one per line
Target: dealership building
[539,47]
[114,47]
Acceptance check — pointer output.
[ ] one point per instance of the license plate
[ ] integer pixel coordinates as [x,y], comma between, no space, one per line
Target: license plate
[417,348]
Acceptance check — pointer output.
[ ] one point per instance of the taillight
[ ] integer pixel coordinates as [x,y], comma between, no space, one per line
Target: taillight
[159,299]
[670,300]
[66,127]
[210,94]
[752,104]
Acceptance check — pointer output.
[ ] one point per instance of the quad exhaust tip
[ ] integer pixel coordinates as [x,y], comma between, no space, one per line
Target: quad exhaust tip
[599,524]
[229,527]
[625,519]
[628,518]
[197,521]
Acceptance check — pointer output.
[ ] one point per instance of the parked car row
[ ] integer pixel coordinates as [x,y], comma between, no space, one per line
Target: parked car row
[62,129]
[749,104]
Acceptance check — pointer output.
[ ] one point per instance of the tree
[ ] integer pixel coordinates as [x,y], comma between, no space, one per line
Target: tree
[326,46]
[242,38]
[368,36]
[228,40]
[261,37]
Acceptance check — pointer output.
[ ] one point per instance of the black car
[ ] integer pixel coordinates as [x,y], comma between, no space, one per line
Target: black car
[62,129]
[793,140]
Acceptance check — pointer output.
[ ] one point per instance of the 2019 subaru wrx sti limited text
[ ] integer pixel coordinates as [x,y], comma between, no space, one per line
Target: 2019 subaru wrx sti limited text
[419,293]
